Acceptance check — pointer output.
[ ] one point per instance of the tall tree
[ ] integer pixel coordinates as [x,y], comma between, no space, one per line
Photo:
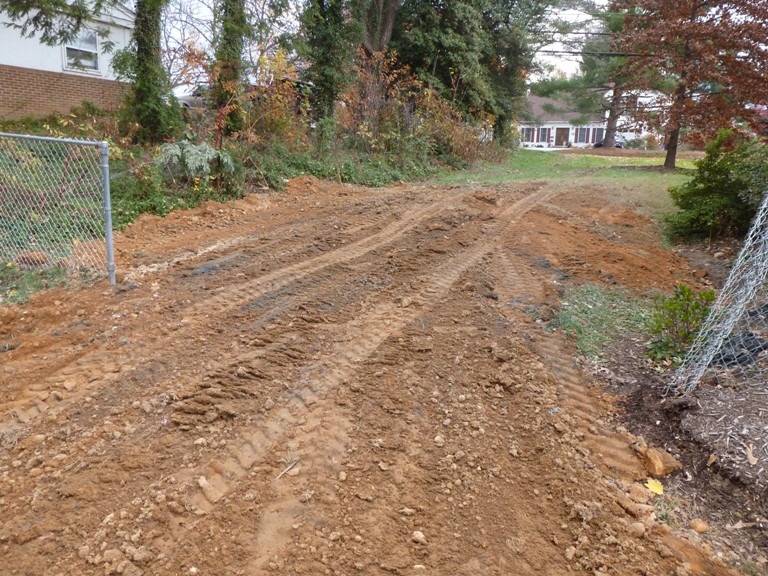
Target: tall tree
[711,54]
[157,119]
[601,86]
[476,52]
[228,65]
[378,22]
[517,28]
[329,38]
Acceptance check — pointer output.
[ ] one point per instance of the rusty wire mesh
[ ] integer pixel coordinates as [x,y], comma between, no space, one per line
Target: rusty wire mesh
[53,195]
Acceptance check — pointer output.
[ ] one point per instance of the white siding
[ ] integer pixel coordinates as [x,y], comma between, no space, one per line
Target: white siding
[30,53]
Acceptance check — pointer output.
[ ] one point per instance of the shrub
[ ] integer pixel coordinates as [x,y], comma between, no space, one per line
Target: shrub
[138,189]
[181,175]
[200,166]
[675,321]
[388,111]
[722,197]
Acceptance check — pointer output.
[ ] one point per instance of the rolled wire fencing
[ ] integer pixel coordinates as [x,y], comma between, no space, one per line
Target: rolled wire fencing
[732,344]
[55,208]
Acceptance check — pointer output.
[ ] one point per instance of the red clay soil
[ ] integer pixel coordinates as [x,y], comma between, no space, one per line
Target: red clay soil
[333,380]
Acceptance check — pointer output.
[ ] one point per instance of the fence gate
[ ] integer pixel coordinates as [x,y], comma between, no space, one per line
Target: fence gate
[54,204]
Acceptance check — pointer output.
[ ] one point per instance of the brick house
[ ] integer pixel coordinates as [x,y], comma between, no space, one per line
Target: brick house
[37,79]
[548,124]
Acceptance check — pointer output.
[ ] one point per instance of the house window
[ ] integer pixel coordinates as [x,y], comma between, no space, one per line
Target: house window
[82,53]
[543,134]
[598,134]
[582,135]
[529,134]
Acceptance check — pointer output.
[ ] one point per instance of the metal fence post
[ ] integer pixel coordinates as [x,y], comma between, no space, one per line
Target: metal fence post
[107,211]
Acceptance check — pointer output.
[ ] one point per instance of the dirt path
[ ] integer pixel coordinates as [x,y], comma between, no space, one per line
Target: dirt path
[332,381]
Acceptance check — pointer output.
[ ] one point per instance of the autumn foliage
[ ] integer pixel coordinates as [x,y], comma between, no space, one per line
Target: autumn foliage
[388,110]
[709,58]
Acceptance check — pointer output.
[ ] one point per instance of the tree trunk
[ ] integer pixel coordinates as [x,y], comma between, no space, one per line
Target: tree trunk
[676,121]
[229,61]
[614,113]
[157,120]
[378,16]
[672,141]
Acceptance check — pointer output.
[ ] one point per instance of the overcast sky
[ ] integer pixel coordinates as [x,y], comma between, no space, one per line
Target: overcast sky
[566,63]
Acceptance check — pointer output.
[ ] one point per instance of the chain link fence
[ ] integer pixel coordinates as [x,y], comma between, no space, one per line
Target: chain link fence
[54,204]
[732,344]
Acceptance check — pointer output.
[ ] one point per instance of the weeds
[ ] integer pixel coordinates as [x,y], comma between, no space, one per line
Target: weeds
[598,316]
[666,510]
[16,285]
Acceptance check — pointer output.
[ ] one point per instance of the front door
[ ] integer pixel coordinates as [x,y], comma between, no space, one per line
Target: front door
[561,136]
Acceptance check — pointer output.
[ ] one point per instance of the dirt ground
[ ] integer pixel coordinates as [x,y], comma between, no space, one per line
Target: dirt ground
[335,380]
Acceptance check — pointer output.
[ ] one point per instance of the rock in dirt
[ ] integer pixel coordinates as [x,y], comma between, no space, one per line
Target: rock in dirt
[698,525]
[701,272]
[418,537]
[639,493]
[636,529]
[657,462]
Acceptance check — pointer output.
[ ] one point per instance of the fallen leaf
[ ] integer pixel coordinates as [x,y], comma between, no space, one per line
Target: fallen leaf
[740,525]
[751,455]
[654,486]
[712,459]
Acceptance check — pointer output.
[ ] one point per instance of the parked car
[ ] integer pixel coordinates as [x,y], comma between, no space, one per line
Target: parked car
[304,93]
[198,98]
[616,144]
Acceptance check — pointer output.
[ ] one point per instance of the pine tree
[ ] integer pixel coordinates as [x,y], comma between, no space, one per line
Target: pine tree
[601,88]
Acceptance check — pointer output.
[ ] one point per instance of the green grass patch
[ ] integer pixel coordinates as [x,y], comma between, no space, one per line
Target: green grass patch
[597,316]
[522,165]
[16,285]
[641,190]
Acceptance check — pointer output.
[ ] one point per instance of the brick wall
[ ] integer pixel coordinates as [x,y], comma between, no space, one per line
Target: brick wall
[28,92]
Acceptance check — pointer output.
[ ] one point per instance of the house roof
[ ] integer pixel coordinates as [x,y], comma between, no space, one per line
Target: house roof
[541,109]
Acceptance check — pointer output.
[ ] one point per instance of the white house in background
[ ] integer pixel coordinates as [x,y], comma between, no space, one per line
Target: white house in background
[37,79]
[548,124]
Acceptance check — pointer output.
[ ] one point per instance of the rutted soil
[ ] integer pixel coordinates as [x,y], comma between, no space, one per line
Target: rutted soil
[334,380]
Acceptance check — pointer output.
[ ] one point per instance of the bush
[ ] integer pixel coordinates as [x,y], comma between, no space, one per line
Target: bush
[199,166]
[276,163]
[675,321]
[647,142]
[180,175]
[388,111]
[722,197]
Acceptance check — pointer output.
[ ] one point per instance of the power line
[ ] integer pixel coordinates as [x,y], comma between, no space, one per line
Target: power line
[580,52]
[581,33]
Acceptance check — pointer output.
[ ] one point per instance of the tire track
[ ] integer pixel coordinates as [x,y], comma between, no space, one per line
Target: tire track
[233,297]
[370,210]
[613,450]
[519,285]
[100,367]
[323,427]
